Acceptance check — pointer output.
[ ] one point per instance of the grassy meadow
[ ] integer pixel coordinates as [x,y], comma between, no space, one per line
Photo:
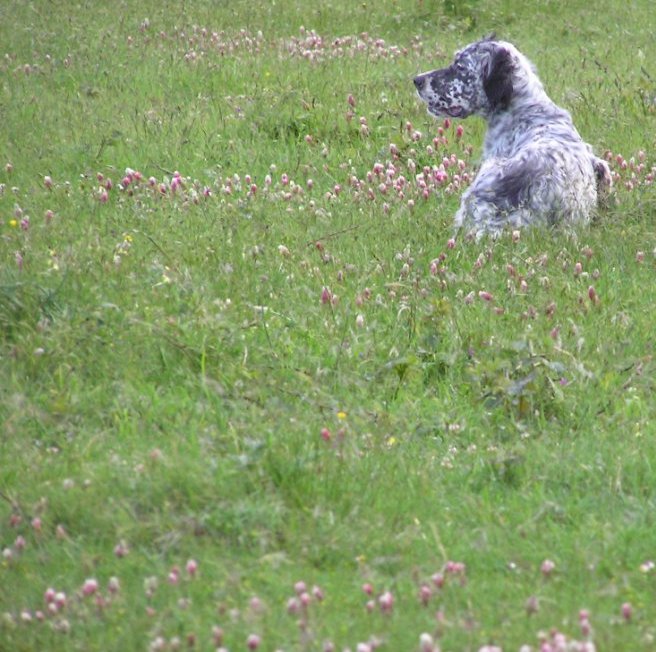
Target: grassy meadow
[254,394]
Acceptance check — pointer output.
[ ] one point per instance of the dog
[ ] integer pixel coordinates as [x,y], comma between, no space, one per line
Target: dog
[536,168]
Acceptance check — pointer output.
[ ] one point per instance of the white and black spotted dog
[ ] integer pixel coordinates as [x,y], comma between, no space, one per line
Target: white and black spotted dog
[535,169]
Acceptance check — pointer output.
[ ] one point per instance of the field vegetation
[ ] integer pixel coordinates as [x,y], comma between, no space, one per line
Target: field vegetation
[254,391]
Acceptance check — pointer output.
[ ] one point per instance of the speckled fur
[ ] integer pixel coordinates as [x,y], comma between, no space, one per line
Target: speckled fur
[535,168]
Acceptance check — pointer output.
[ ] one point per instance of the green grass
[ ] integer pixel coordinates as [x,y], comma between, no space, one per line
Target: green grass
[304,383]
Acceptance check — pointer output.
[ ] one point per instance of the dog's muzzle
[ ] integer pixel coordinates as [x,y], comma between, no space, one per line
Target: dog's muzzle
[420,82]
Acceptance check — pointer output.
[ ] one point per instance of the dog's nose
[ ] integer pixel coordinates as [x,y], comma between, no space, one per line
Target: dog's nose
[419,81]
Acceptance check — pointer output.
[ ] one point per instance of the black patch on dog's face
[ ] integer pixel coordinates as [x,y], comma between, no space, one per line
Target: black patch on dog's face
[498,84]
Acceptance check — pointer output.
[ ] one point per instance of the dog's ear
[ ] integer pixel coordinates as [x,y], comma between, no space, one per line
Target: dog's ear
[498,84]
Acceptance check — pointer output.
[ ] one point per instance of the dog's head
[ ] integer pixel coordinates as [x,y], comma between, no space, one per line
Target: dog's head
[479,81]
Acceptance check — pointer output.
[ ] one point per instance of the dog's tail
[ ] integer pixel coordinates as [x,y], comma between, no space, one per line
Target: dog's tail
[604,180]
